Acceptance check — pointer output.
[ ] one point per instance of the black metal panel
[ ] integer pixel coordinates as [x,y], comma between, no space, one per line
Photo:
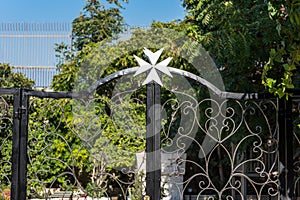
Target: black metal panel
[19,146]
[23,146]
[153,157]
[286,149]
[296,143]
[16,147]
[54,95]
[4,91]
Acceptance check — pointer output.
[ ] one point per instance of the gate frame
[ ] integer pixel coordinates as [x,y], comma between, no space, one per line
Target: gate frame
[20,131]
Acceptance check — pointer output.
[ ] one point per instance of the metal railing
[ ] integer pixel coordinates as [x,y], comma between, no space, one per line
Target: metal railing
[42,75]
[30,48]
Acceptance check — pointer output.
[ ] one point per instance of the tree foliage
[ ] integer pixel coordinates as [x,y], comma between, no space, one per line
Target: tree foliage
[10,79]
[237,34]
[95,24]
[282,70]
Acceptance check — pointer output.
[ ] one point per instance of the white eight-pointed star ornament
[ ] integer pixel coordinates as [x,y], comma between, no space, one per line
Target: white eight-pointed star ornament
[152,66]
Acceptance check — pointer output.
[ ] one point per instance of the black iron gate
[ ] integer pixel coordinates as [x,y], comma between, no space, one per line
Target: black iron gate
[213,145]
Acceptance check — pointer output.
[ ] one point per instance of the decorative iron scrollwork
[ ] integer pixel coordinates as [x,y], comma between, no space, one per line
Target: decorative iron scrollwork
[231,146]
[6,124]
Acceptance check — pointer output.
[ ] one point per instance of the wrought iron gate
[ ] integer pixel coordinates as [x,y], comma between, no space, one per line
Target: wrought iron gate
[214,145]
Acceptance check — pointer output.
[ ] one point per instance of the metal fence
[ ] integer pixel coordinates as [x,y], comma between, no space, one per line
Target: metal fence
[258,150]
[42,75]
[30,47]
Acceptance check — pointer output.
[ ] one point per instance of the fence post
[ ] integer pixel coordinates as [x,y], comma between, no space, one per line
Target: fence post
[153,156]
[286,149]
[19,146]
[15,146]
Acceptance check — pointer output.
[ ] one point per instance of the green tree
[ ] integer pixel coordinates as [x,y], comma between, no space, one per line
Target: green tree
[282,70]
[95,24]
[237,34]
[10,79]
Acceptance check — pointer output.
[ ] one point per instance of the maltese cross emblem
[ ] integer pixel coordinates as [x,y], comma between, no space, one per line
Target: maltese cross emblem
[152,66]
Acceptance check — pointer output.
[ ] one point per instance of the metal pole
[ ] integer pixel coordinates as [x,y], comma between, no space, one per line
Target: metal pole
[16,146]
[20,137]
[286,148]
[23,145]
[153,156]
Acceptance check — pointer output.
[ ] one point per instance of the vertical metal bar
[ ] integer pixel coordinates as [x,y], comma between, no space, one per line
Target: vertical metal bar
[286,148]
[19,146]
[153,156]
[15,147]
[23,145]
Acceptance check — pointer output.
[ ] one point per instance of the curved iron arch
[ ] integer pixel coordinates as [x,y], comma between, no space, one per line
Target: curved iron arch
[204,82]
[102,81]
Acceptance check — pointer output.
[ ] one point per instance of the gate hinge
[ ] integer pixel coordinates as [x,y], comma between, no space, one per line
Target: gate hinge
[21,111]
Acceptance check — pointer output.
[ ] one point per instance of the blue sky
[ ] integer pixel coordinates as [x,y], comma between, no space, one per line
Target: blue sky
[23,51]
[136,12]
